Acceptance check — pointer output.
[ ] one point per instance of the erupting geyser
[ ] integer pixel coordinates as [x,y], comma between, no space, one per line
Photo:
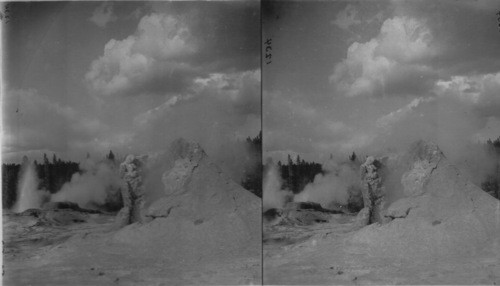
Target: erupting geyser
[28,195]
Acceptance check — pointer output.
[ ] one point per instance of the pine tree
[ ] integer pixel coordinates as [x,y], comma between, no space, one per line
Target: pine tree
[353,157]
[111,156]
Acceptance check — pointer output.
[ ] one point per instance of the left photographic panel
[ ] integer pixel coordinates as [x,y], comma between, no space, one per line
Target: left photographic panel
[131,143]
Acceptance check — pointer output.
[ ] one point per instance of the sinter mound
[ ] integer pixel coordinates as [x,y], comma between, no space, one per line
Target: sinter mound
[441,213]
[186,207]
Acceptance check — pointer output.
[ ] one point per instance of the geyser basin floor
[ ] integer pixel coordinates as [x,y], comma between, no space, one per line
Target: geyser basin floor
[82,254]
[322,254]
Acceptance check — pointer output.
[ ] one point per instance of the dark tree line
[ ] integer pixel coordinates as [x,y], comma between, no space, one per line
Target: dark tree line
[296,175]
[10,178]
[252,178]
[52,175]
[491,184]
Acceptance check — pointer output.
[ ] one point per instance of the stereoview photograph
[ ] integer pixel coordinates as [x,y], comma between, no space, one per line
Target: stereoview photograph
[381,141]
[131,149]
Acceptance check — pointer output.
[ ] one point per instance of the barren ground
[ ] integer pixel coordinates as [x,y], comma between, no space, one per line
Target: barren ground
[322,254]
[61,252]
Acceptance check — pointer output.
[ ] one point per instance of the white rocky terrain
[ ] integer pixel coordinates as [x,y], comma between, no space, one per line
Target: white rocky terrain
[439,229]
[183,222]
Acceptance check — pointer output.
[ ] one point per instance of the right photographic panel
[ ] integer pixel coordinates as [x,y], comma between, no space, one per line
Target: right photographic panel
[381,142]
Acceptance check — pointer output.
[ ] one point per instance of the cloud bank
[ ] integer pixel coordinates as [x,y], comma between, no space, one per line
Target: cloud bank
[395,72]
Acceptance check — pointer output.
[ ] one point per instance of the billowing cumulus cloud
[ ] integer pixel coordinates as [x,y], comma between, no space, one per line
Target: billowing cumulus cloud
[153,72]
[388,64]
[480,91]
[182,73]
[175,44]
[389,74]
[147,61]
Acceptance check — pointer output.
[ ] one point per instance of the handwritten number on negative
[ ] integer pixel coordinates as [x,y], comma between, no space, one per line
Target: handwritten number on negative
[269,49]
[498,19]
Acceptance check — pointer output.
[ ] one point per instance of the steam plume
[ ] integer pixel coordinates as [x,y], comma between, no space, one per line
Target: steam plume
[100,183]
[331,187]
[274,196]
[28,195]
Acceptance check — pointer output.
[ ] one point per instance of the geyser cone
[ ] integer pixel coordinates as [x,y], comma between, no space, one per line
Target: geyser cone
[194,209]
[441,213]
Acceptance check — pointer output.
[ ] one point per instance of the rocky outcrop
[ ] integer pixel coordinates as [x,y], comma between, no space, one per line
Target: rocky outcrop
[440,214]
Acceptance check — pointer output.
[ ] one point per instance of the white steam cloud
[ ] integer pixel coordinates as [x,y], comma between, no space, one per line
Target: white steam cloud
[274,196]
[331,187]
[28,195]
[100,183]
